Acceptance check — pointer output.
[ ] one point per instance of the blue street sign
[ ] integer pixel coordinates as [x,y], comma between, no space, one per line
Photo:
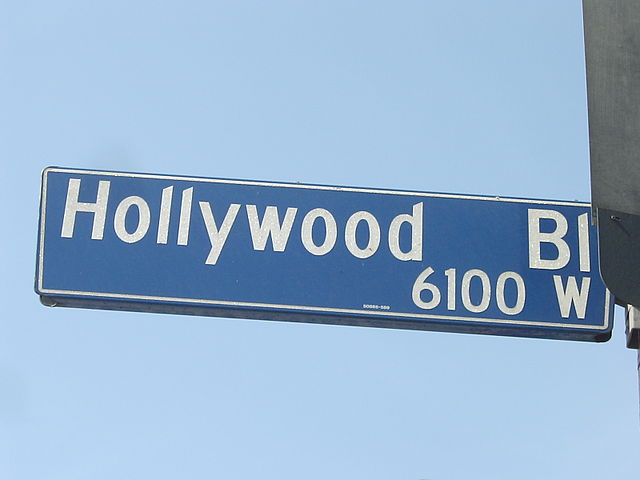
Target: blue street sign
[321,254]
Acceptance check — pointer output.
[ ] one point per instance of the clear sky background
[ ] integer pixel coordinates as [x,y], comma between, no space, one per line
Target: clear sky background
[460,97]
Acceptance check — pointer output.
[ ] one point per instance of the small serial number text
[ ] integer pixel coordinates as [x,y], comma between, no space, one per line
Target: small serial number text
[375,307]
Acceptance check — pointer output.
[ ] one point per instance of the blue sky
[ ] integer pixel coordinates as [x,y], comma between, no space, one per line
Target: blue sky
[461,97]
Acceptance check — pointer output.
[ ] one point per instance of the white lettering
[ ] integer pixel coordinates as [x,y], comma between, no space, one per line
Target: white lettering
[572,296]
[415,221]
[350,234]
[144,218]
[331,231]
[73,206]
[420,285]
[185,216]
[217,237]
[466,291]
[536,237]
[583,242]
[520,297]
[270,226]
[451,288]
[165,214]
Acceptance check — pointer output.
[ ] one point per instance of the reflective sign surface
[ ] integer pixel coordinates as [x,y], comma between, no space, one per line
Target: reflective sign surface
[321,254]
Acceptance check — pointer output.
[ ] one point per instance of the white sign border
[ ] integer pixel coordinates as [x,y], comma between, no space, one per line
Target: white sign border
[305,308]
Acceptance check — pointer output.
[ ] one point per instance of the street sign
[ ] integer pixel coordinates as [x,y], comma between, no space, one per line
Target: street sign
[335,255]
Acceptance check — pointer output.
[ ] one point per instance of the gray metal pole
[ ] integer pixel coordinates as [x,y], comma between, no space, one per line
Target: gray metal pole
[632,329]
[612,47]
